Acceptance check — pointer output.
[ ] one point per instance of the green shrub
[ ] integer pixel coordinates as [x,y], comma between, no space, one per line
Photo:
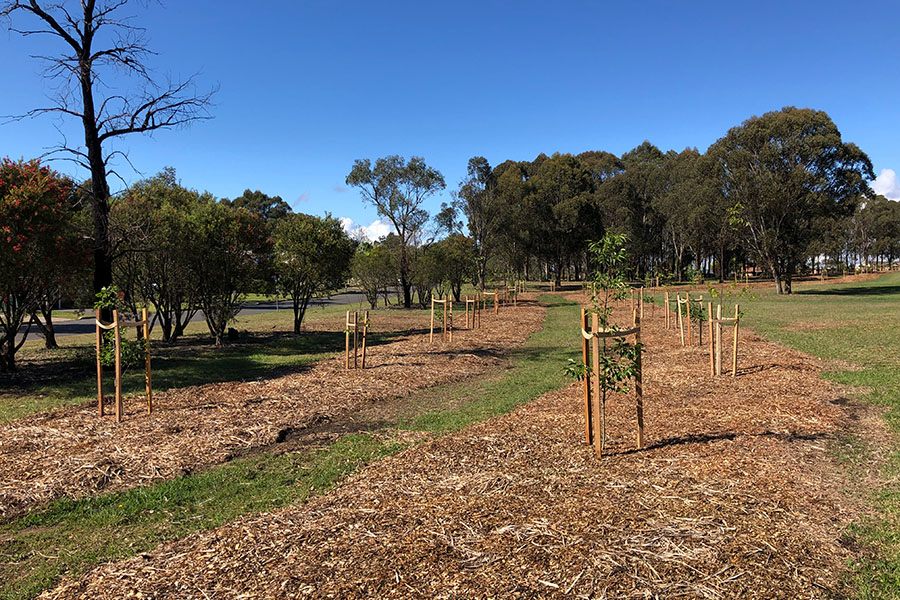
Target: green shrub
[132,351]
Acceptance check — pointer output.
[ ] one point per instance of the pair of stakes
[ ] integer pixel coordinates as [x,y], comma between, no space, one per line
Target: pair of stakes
[475,305]
[714,329]
[715,341]
[594,397]
[446,319]
[354,326]
[142,326]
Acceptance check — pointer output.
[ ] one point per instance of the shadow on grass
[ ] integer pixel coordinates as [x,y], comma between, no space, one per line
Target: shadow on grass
[67,376]
[873,290]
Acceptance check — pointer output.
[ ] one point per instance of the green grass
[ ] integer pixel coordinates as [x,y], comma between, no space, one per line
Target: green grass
[183,367]
[536,368]
[857,326]
[67,376]
[70,536]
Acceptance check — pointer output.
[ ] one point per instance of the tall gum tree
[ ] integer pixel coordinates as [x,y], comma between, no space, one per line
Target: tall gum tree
[101,46]
[397,189]
[784,174]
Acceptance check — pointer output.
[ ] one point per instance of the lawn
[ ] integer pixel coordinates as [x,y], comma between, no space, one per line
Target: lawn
[858,325]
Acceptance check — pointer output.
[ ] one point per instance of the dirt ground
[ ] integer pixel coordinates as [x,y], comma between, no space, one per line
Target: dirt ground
[73,452]
[737,495]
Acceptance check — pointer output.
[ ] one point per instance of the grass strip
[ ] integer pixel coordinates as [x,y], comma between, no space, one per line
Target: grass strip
[536,368]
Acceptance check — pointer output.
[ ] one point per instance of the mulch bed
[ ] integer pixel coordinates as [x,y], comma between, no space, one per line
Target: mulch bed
[736,496]
[73,452]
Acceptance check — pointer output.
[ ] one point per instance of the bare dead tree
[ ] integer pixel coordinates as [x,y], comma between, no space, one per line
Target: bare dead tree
[99,41]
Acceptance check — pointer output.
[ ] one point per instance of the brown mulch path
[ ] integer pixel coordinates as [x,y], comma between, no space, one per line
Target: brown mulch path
[736,496]
[72,452]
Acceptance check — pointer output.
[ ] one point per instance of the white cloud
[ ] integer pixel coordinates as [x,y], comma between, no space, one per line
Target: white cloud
[373,232]
[887,184]
[303,197]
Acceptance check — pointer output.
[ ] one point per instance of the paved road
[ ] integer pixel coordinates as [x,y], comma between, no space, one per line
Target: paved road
[77,327]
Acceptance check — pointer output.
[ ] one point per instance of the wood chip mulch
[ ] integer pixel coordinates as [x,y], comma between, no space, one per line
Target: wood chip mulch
[73,452]
[736,496]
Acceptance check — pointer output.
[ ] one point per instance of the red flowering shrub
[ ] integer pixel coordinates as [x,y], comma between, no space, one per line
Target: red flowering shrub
[37,240]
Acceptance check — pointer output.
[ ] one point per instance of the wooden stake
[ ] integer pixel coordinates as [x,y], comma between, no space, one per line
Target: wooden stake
[712,345]
[99,366]
[148,381]
[496,299]
[118,366]
[356,340]
[365,332]
[679,317]
[687,297]
[668,319]
[585,350]
[642,303]
[737,321]
[347,342]
[639,383]
[467,312]
[599,421]
[431,333]
[719,340]
[450,318]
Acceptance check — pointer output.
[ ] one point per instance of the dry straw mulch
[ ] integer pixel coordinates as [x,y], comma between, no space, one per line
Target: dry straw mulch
[735,497]
[73,452]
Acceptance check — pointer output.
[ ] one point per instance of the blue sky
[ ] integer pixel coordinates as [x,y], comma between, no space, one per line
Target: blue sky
[307,87]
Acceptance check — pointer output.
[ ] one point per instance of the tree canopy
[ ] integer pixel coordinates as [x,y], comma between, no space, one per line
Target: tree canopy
[398,190]
[784,174]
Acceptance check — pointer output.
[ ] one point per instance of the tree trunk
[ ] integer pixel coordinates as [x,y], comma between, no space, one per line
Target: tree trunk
[8,361]
[721,263]
[778,284]
[103,264]
[482,272]
[46,328]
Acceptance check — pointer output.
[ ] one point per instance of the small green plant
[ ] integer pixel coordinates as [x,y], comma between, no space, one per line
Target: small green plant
[617,359]
[693,275]
[576,369]
[131,351]
[108,298]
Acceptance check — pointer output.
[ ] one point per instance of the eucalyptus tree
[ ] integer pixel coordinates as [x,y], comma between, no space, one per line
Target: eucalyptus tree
[477,198]
[562,210]
[103,80]
[151,237]
[398,189]
[784,174]
[229,249]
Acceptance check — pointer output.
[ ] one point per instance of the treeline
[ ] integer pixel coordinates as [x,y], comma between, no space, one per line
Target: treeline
[781,194]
